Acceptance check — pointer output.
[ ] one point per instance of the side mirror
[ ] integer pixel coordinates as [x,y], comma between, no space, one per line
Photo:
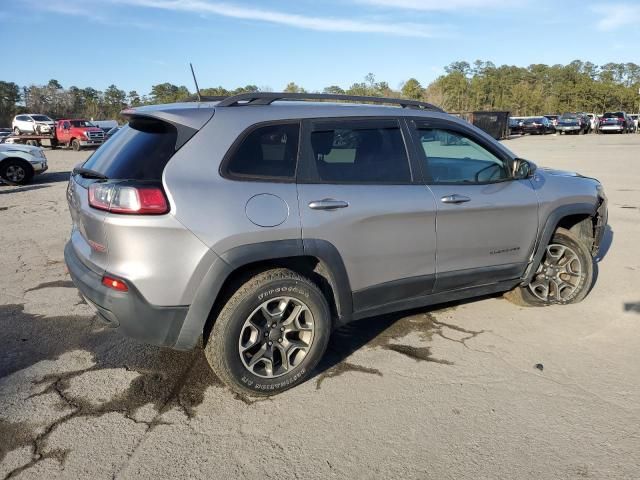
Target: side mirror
[523,169]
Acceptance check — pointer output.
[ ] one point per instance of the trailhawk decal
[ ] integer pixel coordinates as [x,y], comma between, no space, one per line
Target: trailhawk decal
[504,250]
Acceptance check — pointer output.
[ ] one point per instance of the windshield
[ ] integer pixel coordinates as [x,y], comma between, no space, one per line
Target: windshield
[81,123]
[41,118]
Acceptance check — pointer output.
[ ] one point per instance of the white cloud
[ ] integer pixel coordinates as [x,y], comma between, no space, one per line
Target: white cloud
[436,5]
[326,24]
[614,16]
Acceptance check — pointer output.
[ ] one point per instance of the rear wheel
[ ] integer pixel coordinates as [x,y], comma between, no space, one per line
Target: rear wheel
[564,275]
[270,334]
[16,172]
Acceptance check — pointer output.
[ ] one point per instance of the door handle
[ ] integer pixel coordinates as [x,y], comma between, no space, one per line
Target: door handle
[455,198]
[327,204]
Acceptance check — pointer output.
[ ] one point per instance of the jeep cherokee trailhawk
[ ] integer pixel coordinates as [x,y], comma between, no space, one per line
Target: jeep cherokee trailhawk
[259,224]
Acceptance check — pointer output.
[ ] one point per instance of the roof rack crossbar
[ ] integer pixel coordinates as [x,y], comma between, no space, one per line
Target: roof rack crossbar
[266,98]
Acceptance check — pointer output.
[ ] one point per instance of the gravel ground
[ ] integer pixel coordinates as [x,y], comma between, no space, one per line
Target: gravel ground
[442,393]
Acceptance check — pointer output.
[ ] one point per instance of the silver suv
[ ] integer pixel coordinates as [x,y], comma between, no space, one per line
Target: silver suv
[259,225]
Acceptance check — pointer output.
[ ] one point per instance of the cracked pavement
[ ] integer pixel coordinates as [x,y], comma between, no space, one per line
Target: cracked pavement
[448,392]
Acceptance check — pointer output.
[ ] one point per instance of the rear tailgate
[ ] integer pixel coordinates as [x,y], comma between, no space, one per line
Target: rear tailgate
[88,234]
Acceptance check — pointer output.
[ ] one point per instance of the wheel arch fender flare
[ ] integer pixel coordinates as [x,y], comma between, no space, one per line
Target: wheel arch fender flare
[223,266]
[546,233]
[18,159]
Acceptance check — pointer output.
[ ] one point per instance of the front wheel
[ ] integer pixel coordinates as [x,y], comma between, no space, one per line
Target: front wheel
[563,277]
[75,144]
[16,131]
[270,334]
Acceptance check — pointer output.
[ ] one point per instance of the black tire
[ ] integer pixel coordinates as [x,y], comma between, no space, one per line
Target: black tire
[225,343]
[16,171]
[525,296]
[75,144]
[16,131]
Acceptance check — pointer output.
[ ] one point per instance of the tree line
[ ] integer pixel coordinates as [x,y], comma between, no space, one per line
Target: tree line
[534,90]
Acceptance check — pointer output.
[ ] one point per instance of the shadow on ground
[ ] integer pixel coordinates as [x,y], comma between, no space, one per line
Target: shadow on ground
[387,332]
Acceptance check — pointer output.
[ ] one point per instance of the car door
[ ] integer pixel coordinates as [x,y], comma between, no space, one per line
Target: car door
[487,221]
[63,131]
[359,194]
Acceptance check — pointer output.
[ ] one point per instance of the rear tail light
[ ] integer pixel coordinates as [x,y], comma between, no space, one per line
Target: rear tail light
[128,199]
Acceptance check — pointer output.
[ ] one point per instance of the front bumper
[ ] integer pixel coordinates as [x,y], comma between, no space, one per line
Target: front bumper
[602,217]
[127,311]
[40,167]
[91,143]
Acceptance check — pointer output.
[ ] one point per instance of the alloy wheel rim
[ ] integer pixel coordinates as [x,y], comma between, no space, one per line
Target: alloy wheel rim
[15,173]
[558,276]
[276,337]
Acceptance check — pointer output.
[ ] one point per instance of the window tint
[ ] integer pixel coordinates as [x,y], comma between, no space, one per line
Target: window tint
[267,152]
[360,153]
[140,151]
[451,157]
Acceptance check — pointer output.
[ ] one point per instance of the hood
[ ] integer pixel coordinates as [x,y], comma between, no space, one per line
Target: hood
[564,173]
[47,122]
[559,173]
[7,147]
[88,129]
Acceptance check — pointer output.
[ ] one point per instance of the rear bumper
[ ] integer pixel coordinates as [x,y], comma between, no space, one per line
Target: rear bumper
[127,311]
[611,128]
[572,128]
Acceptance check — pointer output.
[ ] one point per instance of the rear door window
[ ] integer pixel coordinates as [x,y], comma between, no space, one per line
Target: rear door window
[139,151]
[358,151]
[267,152]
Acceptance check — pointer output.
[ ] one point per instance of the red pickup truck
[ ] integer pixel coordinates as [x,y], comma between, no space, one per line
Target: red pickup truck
[78,133]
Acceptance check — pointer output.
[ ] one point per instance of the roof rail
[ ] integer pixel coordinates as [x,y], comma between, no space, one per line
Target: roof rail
[266,98]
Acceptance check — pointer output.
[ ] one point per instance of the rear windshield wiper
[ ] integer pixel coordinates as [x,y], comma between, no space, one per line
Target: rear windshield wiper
[88,173]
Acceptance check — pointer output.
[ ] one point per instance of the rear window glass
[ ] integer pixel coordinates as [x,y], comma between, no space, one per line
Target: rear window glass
[568,116]
[268,152]
[139,151]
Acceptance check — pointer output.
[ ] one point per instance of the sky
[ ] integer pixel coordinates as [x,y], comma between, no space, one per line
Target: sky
[135,44]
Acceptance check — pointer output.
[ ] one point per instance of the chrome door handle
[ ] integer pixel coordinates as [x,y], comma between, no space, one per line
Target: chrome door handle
[327,204]
[455,198]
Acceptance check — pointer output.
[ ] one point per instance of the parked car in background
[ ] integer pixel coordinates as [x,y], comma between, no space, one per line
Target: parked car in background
[537,126]
[207,221]
[32,123]
[593,121]
[515,126]
[553,119]
[111,132]
[634,119]
[105,125]
[573,123]
[617,122]
[4,133]
[19,163]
